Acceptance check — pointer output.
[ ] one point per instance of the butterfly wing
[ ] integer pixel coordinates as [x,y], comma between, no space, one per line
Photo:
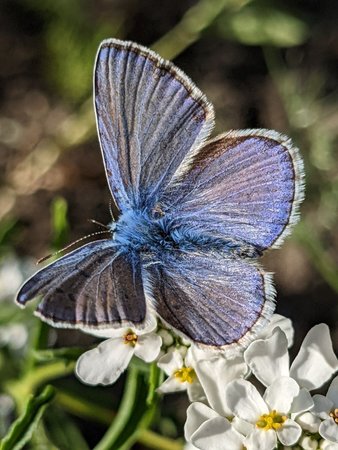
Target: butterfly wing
[212,300]
[245,185]
[92,287]
[149,116]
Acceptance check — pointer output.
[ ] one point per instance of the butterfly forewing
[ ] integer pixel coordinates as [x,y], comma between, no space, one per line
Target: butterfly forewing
[92,286]
[149,116]
[245,185]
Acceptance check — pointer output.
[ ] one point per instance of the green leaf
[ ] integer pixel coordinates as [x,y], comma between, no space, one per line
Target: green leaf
[60,225]
[62,431]
[22,429]
[262,23]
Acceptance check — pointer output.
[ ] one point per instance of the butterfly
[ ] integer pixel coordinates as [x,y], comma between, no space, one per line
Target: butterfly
[194,216]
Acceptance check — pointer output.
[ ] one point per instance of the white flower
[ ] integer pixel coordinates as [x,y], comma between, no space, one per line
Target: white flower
[308,443]
[284,323]
[313,366]
[308,422]
[105,363]
[207,430]
[181,374]
[326,407]
[15,336]
[214,372]
[327,445]
[268,416]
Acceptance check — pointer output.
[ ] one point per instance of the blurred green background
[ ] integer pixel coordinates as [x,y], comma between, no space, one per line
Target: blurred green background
[264,64]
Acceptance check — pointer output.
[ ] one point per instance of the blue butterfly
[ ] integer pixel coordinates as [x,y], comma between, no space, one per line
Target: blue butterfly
[194,216]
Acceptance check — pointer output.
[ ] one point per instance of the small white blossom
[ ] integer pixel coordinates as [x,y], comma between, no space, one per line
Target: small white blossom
[214,372]
[14,336]
[308,422]
[167,337]
[308,443]
[326,408]
[207,430]
[327,445]
[313,366]
[181,374]
[105,363]
[278,321]
[269,416]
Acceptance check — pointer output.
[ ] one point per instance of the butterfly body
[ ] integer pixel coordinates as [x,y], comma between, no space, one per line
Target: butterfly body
[145,233]
[194,216]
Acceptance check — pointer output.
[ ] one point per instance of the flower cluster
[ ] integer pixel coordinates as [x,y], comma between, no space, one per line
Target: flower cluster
[253,399]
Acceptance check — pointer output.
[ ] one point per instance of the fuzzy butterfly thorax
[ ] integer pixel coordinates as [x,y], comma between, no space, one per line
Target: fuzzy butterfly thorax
[152,232]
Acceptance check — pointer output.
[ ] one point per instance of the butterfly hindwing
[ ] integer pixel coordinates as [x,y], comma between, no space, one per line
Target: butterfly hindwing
[214,301]
[149,116]
[245,185]
[92,286]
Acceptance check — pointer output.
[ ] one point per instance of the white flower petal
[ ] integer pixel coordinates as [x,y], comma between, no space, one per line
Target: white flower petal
[197,413]
[217,434]
[189,446]
[283,323]
[148,347]
[149,326]
[329,430]
[244,400]
[214,374]
[171,362]
[332,393]
[172,384]
[105,363]
[307,443]
[262,440]
[106,333]
[327,445]
[243,427]
[189,359]
[269,358]
[280,394]
[309,422]
[316,361]
[196,392]
[289,433]
[302,402]
[322,406]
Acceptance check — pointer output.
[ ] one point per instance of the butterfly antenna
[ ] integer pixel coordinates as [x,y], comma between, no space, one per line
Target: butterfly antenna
[70,245]
[111,209]
[99,223]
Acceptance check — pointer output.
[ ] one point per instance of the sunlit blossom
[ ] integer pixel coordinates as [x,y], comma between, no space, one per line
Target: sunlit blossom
[269,416]
[105,363]
[326,408]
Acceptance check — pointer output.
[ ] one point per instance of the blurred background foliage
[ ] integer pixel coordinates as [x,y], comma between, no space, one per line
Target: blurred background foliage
[263,63]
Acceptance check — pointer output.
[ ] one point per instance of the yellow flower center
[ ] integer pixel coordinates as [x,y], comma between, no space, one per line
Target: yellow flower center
[130,338]
[334,415]
[185,374]
[272,421]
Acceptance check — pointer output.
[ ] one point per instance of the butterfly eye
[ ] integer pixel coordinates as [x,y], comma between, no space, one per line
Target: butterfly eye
[157,212]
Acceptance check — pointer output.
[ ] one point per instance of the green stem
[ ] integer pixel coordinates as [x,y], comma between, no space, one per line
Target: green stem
[123,414]
[22,388]
[155,441]
[84,408]
[193,23]
[88,410]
